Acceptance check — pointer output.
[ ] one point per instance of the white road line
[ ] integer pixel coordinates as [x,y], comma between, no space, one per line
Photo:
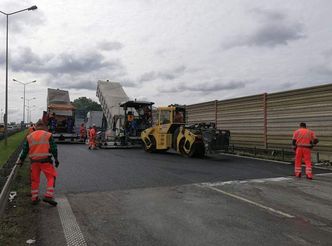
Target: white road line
[248,201]
[323,174]
[71,229]
[277,179]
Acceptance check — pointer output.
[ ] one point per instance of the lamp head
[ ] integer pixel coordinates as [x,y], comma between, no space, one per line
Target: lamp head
[34,7]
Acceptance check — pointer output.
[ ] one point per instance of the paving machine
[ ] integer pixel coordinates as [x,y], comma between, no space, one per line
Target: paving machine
[127,127]
[171,132]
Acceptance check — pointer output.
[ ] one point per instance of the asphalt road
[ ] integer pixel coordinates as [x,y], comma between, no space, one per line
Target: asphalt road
[129,197]
[83,170]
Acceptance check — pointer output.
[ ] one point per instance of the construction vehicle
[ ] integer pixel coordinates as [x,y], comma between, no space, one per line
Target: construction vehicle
[126,119]
[60,116]
[171,132]
[127,128]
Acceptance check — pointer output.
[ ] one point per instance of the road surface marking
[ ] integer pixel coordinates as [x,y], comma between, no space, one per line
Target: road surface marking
[247,201]
[211,186]
[71,229]
[322,174]
[277,179]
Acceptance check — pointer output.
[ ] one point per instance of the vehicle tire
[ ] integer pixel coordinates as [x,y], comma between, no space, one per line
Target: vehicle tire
[175,136]
[198,150]
[151,148]
[181,148]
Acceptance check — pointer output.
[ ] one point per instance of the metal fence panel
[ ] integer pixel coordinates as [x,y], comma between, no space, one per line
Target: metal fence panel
[202,112]
[310,105]
[268,120]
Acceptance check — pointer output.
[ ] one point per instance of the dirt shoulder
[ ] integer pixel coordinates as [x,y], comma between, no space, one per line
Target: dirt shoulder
[20,220]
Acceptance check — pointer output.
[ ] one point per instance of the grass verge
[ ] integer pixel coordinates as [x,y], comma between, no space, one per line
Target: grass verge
[20,219]
[12,143]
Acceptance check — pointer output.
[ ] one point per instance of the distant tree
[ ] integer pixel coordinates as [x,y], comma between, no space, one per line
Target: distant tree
[86,104]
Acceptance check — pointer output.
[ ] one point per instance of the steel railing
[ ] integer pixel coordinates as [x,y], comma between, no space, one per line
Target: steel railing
[7,176]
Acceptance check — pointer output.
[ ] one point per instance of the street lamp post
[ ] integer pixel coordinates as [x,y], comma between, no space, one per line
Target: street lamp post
[24,84]
[33,107]
[6,103]
[28,105]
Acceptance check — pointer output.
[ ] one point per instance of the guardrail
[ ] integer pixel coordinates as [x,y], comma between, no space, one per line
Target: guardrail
[7,175]
[272,154]
[10,132]
[282,154]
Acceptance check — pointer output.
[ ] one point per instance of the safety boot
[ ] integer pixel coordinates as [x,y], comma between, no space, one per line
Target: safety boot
[35,202]
[309,177]
[50,201]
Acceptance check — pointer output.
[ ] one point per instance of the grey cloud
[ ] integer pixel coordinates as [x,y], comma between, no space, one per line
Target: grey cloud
[128,83]
[164,75]
[148,76]
[108,46]
[21,21]
[66,81]
[81,85]
[323,71]
[26,60]
[327,54]
[274,28]
[72,63]
[206,87]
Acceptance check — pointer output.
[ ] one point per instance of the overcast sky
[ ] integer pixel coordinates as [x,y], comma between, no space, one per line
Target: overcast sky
[166,51]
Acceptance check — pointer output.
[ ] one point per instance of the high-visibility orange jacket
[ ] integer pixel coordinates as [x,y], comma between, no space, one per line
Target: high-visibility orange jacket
[304,137]
[92,133]
[82,131]
[39,146]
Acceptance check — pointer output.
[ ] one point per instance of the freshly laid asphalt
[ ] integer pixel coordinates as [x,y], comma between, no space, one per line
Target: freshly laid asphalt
[129,197]
[83,170]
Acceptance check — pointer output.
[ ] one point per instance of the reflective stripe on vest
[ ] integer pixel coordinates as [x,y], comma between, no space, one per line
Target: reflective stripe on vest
[39,146]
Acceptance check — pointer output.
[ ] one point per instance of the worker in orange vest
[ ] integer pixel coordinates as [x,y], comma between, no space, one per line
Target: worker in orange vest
[82,132]
[89,137]
[303,141]
[92,138]
[40,147]
[31,128]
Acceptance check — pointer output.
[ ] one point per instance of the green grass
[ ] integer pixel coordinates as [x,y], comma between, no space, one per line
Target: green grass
[12,144]
[20,220]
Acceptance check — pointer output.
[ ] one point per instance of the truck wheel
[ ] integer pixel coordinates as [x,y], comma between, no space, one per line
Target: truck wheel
[181,148]
[150,144]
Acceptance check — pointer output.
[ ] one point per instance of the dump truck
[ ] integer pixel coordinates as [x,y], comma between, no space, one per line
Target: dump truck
[60,116]
[171,132]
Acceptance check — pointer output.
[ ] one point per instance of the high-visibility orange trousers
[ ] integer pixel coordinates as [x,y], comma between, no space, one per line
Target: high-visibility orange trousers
[303,153]
[50,174]
[92,143]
